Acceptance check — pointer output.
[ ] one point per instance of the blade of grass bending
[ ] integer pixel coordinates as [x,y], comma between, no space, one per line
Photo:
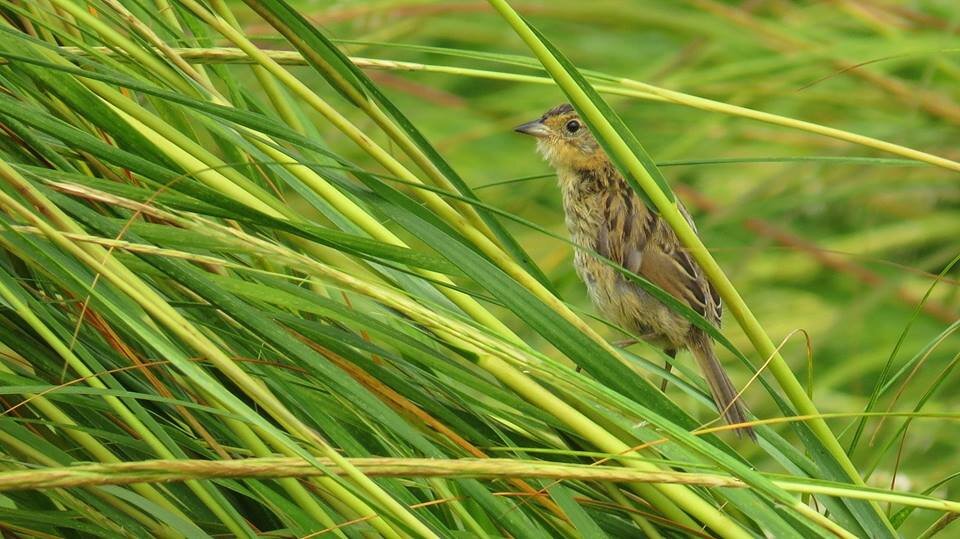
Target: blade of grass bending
[881,448]
[224,511]
[345,205]
[395,167]
[158,307]
[901,516]
[644,177]
[104,508]
[513,520]
[580,518]
[882,380]
[351,81]
[767,503]
[350,390]
[56,415]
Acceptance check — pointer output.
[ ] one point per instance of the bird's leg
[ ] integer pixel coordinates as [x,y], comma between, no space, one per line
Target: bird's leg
[672,352]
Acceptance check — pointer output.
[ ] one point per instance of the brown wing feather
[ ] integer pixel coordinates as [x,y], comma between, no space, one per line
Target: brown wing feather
[650,249]
[641,242]
[714,309]
[627,222]
[673,270]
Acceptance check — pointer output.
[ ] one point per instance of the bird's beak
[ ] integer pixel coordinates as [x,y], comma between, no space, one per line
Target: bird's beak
[535,128]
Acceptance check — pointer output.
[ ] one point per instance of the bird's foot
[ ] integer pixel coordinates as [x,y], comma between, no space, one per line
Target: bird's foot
[668,366]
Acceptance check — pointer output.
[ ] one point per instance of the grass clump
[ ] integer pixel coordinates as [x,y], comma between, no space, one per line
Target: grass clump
[274,269]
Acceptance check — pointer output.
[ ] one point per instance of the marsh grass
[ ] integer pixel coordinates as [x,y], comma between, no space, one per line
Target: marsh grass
[261,281]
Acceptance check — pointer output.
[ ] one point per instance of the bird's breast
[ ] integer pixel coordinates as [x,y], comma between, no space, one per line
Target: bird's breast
[585,204]
[584,218]
[591,199]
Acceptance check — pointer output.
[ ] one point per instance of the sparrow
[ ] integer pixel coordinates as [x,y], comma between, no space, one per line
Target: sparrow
[605,217]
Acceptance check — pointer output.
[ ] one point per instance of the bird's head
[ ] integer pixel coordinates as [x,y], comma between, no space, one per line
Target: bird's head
[563,139]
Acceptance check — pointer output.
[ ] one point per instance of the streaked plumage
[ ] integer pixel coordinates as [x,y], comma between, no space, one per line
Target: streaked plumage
[604,215]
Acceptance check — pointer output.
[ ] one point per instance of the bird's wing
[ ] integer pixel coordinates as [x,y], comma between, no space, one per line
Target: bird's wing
[714,302]
[646,245]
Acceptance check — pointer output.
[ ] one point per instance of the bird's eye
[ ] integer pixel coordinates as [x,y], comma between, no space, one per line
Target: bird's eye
[573,126]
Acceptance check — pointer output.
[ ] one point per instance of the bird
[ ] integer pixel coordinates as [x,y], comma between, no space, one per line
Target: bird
[605,217]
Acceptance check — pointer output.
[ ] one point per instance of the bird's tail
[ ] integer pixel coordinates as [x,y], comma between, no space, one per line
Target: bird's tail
[722,389]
